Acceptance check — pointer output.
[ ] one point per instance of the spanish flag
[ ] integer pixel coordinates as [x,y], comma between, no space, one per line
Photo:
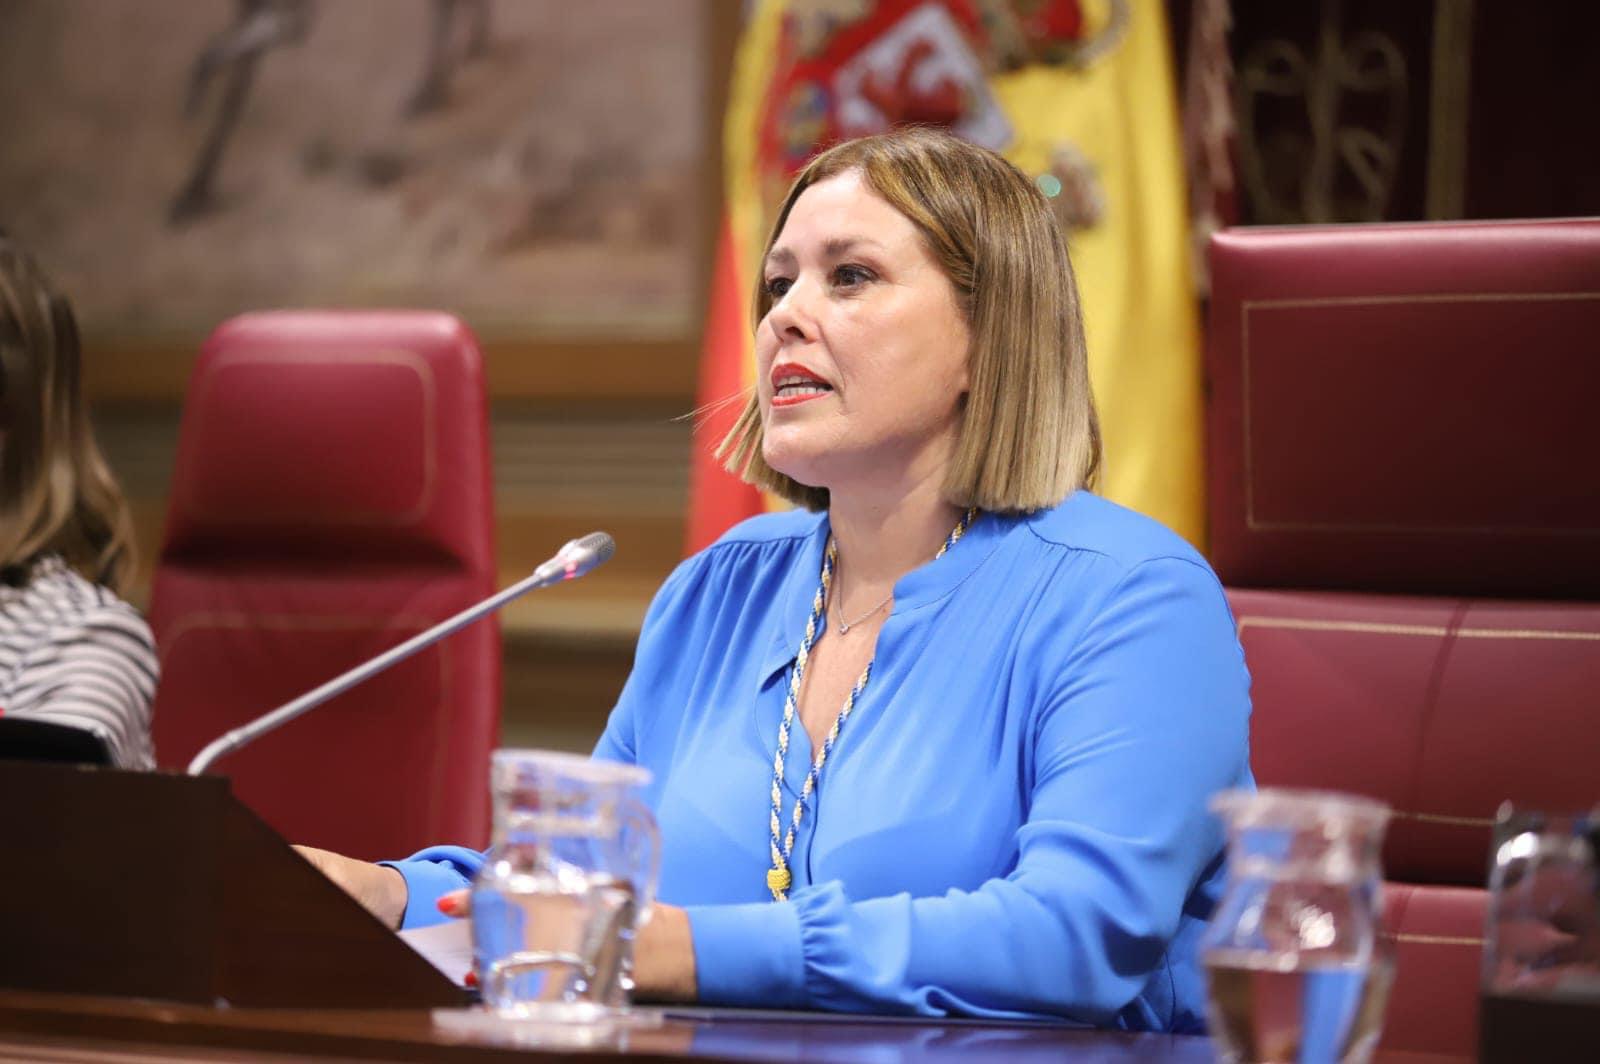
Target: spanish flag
[1080,95]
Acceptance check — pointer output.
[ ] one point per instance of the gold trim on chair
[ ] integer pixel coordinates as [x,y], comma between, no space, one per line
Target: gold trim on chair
[1250,306]
[1437,631]
[1452,821]
[1431,940]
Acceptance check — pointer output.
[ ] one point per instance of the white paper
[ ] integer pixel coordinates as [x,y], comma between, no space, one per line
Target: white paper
[446,946]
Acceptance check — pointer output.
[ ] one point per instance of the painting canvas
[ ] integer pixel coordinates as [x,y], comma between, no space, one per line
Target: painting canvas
[537,166]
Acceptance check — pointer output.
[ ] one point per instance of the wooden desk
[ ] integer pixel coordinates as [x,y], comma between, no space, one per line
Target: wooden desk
[63,1028]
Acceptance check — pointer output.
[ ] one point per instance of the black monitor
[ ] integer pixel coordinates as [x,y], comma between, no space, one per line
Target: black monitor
[23,739]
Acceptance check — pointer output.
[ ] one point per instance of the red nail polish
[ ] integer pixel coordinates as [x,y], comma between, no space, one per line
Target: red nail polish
[471,979]
[447,904]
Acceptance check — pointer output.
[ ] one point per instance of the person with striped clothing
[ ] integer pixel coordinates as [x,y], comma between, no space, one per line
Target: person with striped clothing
[71,651]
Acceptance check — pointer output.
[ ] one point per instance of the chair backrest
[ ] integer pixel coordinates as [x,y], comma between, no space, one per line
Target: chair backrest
[331,498]
[1404,482]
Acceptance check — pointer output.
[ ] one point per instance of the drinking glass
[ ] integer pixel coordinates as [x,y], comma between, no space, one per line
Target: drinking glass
[1541,941]
[1543,929]
[566,885]
[1294,963]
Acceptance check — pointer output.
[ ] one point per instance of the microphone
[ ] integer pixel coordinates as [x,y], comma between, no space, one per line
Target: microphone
[574,559]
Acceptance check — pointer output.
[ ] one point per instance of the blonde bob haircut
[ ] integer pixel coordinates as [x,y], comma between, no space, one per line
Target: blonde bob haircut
[1029,435]
[56,494]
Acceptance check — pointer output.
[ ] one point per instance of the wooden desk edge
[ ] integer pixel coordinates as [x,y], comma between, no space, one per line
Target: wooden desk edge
[69,1020]
[56,1021]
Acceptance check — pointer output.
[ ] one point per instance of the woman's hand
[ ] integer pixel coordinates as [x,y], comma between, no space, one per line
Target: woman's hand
[663,954]
[380,889]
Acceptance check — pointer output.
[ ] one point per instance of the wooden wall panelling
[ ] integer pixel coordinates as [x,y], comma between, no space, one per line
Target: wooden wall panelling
[558,690]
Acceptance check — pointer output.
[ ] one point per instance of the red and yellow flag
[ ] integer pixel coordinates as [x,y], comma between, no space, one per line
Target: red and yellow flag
[1077,93]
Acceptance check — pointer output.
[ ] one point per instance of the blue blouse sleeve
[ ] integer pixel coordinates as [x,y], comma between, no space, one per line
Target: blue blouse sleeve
[1139,722]
[430,874]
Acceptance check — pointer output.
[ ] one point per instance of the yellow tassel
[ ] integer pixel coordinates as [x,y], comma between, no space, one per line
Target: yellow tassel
[778,880]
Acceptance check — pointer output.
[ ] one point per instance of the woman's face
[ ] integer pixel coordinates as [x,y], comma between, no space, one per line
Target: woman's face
[861,364]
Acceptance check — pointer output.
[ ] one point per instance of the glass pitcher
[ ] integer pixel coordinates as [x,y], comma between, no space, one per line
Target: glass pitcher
[1294,962]
[567,883]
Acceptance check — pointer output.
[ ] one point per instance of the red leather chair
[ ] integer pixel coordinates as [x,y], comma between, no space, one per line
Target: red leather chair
[1405,504]
[331,498]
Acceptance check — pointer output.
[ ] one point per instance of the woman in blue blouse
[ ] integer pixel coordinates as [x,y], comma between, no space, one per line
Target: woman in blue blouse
[998,703]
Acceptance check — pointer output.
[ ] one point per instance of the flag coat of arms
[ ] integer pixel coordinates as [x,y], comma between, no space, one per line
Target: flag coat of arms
[1076,93]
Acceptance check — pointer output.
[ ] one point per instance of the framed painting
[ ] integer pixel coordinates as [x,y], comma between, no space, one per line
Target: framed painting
[544,169]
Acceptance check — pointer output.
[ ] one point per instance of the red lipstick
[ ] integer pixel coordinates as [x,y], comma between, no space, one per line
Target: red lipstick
[793,384]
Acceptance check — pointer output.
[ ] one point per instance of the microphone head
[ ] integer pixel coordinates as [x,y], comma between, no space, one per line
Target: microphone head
[599,545]
[578,556]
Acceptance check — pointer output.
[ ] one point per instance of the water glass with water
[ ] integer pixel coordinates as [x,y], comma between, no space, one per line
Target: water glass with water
[1295,965]
[567,883]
